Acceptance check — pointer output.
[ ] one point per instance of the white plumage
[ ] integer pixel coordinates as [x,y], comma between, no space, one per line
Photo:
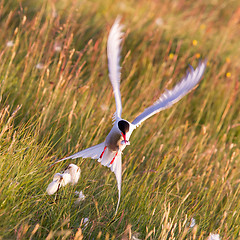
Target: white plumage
[74,172]
[59,180]
[52,187]
[109,153]
[169,97]
[113,53]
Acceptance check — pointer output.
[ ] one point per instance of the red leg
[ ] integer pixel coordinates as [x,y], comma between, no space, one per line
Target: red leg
[114,158]
[103,152]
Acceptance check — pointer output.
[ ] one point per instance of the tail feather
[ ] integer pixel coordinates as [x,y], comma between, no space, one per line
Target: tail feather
[115,167]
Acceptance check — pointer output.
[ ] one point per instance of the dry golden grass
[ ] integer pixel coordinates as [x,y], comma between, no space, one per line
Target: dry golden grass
[56,99]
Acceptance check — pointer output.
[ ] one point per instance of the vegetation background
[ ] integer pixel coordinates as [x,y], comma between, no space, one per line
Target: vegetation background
[56,99]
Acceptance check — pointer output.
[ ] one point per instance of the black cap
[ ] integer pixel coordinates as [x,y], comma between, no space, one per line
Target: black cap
[123,126]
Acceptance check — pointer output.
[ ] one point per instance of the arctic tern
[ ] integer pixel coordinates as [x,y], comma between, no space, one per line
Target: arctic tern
[109,152]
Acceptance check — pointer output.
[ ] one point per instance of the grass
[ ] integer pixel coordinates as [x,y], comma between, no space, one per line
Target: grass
[182,163]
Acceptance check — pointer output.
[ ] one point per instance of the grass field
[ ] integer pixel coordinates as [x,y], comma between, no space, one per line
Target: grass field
[56,99]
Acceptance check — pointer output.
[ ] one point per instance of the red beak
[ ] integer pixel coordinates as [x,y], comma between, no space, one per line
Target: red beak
[124,137]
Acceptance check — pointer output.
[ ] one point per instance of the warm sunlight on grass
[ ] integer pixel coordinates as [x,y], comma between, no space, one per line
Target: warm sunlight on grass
[56,99]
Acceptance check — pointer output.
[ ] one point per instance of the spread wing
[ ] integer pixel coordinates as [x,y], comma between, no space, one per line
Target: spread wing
[92,152]
[113,53]
[95,152]
[169,97]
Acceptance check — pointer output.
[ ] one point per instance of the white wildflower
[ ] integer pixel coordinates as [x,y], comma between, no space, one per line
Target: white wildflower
[10,43]
[74,171]
[57,47]
[192,223]
[39,66]
[159,21]
[232,145]
[214,237]
[135,236]
[81,197]
[85,221]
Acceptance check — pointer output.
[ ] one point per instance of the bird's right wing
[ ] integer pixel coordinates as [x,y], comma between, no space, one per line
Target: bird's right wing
[113,53]
[169,97]
[93,152]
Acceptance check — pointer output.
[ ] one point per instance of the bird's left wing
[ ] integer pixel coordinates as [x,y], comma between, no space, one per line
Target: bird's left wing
[169,97]
[113,53]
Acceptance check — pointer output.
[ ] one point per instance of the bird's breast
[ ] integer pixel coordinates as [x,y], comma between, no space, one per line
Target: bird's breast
[113,141]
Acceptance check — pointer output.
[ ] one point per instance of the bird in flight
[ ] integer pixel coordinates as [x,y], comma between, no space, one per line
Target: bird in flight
[109,152]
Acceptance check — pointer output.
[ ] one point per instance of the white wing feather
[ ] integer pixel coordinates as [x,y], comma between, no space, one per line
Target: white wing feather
[113,53]
[169,97]
[93,152]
